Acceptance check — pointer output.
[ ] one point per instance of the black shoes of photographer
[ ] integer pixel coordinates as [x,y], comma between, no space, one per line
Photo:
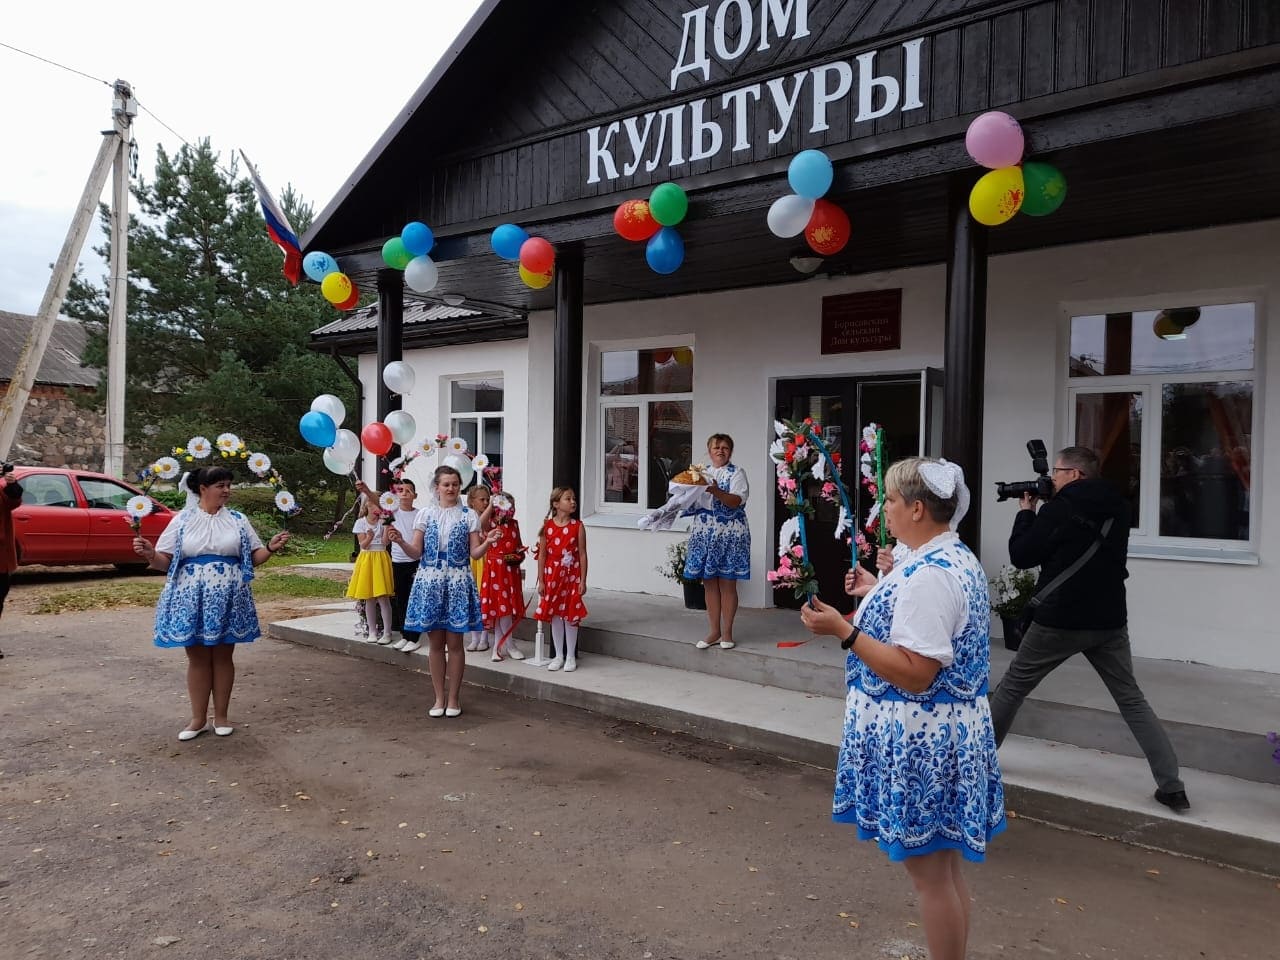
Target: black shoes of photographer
[1175,800]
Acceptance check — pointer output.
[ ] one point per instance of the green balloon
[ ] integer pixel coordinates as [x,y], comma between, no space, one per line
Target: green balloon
[1046,188]
[668,204]
[394,255]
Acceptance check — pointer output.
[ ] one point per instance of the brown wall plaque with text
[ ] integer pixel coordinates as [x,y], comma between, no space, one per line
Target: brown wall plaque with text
[859,322]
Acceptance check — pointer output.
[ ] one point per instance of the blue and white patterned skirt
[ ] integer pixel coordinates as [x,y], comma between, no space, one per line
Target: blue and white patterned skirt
[919,777]
[443,598]
[206,603]
[718,549]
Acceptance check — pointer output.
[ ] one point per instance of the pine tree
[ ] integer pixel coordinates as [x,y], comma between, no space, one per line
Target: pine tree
[216,336]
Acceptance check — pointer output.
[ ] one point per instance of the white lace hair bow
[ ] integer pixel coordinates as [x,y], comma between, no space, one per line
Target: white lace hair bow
[946,480]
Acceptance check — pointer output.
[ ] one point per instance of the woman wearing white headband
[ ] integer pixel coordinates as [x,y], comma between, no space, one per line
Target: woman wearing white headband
[918,770]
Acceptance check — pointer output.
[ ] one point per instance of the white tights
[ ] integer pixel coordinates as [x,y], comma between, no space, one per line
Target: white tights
[501,629]
[564,636]
[383,607]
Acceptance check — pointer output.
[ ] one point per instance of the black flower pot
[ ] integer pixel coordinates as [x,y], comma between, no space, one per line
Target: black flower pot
[695,595]
[1012,632]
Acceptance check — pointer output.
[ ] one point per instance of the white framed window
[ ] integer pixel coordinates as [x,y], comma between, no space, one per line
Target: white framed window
[1168,398]
[645,425]
[476,407]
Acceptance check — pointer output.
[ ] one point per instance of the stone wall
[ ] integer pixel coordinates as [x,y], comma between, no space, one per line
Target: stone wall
[54,432]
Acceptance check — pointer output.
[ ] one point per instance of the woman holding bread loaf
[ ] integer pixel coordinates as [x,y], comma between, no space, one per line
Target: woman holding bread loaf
[719,541]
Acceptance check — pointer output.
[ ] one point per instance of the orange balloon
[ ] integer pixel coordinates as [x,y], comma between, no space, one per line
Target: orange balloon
[634,221]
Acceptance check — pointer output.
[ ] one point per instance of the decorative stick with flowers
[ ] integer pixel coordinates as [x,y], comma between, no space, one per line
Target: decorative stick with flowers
[871,466]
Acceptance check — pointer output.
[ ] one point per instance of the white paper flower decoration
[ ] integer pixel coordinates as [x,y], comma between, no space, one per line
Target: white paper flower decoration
[285,502]
[843,523]
[199,447]
[456,445]
[389,501]
[166,468]
[788,535]
[819,468]
[259,463]
[501,502]
[228,442]
[872,514]
[479,461]
[139,507]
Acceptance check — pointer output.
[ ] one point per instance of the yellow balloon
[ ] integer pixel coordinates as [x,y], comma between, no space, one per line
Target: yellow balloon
[997,196]
[336,287]
[536,281]
[684,356]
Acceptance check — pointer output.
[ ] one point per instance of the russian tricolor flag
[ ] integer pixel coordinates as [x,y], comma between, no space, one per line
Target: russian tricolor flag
[278,227]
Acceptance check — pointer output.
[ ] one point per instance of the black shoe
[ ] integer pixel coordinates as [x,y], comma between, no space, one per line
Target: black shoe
[1175,800]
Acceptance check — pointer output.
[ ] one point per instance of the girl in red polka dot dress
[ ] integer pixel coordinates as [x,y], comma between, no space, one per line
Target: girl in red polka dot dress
[562,576]
[501,590]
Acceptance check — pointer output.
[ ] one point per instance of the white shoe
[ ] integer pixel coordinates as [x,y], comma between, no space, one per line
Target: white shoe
[514,652]
[382,641]
[224,731]
[556,664]
[570,665]
[399,644]
[483,644]
[471,646]
[410,646]
[185,735]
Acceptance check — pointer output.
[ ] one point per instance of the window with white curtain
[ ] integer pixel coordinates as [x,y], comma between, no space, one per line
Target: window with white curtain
[475,415]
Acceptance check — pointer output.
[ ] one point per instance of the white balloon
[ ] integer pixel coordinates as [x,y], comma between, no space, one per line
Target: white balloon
[335,464]
[402,426]
[346,446]
[421,274]
[789,215]
[399,377]
[462,465]
[329,404]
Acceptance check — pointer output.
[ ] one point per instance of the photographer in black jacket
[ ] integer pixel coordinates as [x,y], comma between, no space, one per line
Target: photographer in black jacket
[10,500]
[1087,612]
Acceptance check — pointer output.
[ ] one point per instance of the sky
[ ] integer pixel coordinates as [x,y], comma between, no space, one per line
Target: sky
[302,90]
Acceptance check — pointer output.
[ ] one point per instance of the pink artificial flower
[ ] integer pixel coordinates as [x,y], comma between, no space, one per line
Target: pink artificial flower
[828,489]
[771,576]
[797,551]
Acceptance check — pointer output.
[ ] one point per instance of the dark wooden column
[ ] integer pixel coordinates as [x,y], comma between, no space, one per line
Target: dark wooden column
[566,339]
[965,352]
[390,331]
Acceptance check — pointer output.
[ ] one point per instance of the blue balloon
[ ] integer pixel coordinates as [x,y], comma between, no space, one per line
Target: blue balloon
[810,174]
[318,429]
[665,251]
[507,239]
[417,238]
[319,265]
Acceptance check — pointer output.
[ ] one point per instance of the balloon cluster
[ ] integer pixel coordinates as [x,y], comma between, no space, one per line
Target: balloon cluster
[996,141]
[655,220]
[408,252]
[537,257]
[334,284]
[825,226]
[322,425]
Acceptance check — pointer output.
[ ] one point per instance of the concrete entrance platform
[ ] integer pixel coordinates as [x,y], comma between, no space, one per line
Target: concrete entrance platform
[790,703]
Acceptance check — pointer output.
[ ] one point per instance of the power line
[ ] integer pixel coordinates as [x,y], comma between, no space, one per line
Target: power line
[54,63]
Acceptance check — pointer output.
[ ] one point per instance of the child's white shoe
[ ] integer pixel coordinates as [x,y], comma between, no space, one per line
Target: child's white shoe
[471,645]
[513,651]
[410,646]
[570,665]
[482,643]
[556,664]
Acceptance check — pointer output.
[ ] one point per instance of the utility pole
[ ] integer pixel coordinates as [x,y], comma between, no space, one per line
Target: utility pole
[14,401]
[123,109]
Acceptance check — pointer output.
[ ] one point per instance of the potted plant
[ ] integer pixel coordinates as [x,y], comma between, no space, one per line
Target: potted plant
[695,595]
[1011,591]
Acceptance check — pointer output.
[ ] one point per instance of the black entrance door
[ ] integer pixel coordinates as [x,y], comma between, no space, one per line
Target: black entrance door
[842,406]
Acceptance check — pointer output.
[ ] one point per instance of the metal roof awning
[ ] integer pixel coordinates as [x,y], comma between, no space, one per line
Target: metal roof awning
[426,324]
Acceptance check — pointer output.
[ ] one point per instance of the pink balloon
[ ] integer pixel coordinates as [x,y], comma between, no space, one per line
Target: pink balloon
[995,140]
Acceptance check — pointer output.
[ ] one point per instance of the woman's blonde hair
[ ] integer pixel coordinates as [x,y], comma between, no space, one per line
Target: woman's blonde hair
[904,478]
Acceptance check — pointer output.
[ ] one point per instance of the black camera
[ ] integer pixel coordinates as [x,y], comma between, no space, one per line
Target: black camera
[1041,486]
[5,467]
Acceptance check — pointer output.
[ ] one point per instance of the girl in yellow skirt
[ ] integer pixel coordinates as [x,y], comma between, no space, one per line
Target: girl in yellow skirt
[478,500]
[371,580]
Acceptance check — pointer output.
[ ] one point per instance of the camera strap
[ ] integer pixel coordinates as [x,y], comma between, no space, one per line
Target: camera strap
[1072,570]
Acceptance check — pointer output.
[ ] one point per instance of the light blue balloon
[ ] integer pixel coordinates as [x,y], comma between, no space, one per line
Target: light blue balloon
[665,251]
[810,174]
[318,429]
[318,265]
[506,240]
[417,238]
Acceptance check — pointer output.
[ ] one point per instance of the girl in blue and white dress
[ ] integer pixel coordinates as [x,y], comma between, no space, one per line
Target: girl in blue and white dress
[918,771]
[206,605]
[443,602]
[720,542]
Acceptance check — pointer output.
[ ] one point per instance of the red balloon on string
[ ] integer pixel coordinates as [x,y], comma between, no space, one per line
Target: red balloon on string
[633,221]
[828,229]
[537,255]
[376,438]
[352,301]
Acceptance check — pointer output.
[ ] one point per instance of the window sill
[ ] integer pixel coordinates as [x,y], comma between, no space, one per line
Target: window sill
[630,521]
[1236,555]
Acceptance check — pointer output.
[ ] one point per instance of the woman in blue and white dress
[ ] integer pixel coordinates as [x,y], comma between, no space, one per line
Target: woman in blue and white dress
[917,770]
[443,602]
[206,605]
[720,542]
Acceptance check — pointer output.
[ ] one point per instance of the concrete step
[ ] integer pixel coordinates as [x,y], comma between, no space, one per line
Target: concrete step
[1232,820]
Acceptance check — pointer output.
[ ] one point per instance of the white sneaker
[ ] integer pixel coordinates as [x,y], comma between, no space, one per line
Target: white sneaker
[410,646]
[399,644]
[570,665]
[556,664]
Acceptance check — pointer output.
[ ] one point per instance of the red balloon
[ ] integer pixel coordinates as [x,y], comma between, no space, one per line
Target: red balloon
[376,438]
[828,230]
[352,301]
[537,255]
[633,221]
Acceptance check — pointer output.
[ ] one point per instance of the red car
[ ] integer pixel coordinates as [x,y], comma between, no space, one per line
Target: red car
[77,516]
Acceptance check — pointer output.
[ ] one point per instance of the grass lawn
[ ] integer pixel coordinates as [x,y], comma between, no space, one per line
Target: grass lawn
[267,585]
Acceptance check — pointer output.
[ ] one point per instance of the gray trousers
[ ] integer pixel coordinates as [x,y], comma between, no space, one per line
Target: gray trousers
[1044,648]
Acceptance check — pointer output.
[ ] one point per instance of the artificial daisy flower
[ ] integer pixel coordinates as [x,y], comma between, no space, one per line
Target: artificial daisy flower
[199,447]
[166,468]
[456,445]
[501,502]
[259,463]
[138,507]
[285,502]
[389,501]
[479,461]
